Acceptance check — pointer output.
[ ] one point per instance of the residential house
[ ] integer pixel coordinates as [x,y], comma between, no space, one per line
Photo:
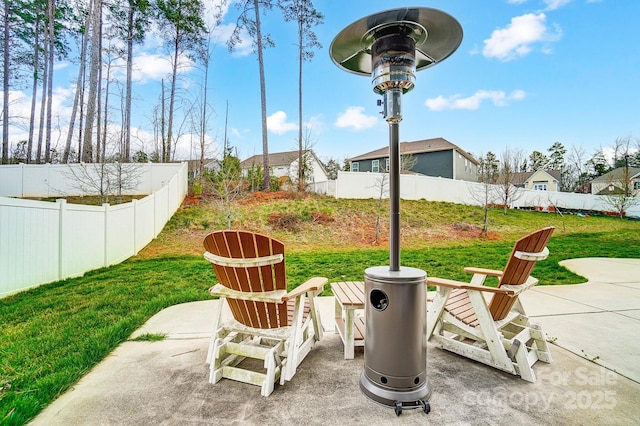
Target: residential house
[614,181]
[540,180]
[284,164]
[209,165]
[429,157]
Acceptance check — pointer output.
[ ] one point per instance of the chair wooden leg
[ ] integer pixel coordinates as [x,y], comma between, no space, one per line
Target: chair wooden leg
[295,341]
[542,347]
[492,336]
[522,360]
[217,315]
[434,313]
[315,317]
[271,365]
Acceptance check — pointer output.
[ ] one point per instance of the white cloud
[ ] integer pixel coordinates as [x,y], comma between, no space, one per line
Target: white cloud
[518,38]
[556,4]
[152,67]
[497,97]
[277,123]
[354,118]
[315,124]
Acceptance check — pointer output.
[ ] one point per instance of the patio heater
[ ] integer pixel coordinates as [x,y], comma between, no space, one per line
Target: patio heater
[390,47]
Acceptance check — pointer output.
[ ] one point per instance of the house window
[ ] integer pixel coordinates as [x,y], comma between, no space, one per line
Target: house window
[540,186]
[386,165]
[355,167]
[375,166]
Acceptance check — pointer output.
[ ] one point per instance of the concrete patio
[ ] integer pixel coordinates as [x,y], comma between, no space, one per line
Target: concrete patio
[594,377]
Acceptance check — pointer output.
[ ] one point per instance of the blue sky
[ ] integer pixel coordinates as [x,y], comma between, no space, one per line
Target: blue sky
[527,74]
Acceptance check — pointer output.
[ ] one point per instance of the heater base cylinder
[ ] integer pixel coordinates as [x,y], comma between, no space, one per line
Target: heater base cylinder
[395,357]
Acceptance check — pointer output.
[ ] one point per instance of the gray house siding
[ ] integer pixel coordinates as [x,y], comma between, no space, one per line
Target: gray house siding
[367,165]
[438,164]
[464,168]
[430,157]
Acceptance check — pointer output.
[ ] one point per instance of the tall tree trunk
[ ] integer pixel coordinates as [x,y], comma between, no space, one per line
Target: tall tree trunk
[51,42]
[77,99]
[172,99]
[99,140]
[106,115]
[43,100]
[34,89]
[81,114]
[203,128]
[94,71]
[301,177]
[5,86]
[126,157]
[263,99]
[162,125]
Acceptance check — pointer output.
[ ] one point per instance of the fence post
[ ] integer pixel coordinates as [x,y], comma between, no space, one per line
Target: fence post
[105,206]
[23,170]
[62,208]
[135,226]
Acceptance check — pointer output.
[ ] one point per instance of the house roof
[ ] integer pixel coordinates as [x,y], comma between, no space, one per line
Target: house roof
[417,147]
[275,159]
[522,177]
[617,174]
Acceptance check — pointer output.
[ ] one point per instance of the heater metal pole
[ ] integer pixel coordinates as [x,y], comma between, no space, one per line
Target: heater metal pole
[393,116]
[394,197]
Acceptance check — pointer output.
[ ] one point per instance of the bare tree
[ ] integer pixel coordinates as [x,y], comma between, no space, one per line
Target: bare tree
[622,193]
[576,178]
[105,179]
[484,193]
[382,185]
[227,183]
[505,190]
[305,162]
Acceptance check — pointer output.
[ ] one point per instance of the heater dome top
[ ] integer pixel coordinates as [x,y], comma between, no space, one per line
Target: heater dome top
[436,34]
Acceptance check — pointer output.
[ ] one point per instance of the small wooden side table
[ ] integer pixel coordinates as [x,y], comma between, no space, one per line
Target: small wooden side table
[349,297]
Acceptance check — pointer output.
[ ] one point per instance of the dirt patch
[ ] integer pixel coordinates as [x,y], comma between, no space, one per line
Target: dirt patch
[305,223]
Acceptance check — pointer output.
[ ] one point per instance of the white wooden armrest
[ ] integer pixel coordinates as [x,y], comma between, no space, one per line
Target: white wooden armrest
[443,282]
[523,255]
[276,296]
[519,288]
[483,271]
[236,262]
[314,284]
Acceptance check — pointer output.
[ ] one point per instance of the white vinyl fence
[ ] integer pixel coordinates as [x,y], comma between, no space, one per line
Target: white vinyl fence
[41,242]
[360,185]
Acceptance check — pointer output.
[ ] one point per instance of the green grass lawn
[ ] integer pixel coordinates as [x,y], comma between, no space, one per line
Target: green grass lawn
[54,334]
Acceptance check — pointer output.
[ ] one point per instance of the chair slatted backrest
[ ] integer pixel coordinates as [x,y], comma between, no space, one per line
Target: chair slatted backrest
[518,269]
[255,279]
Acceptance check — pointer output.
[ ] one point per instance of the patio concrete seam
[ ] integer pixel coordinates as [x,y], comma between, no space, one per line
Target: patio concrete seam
[582,355]
[567,299]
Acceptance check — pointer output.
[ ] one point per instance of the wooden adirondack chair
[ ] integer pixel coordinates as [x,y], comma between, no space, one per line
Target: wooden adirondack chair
[269,323]
[496,330]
